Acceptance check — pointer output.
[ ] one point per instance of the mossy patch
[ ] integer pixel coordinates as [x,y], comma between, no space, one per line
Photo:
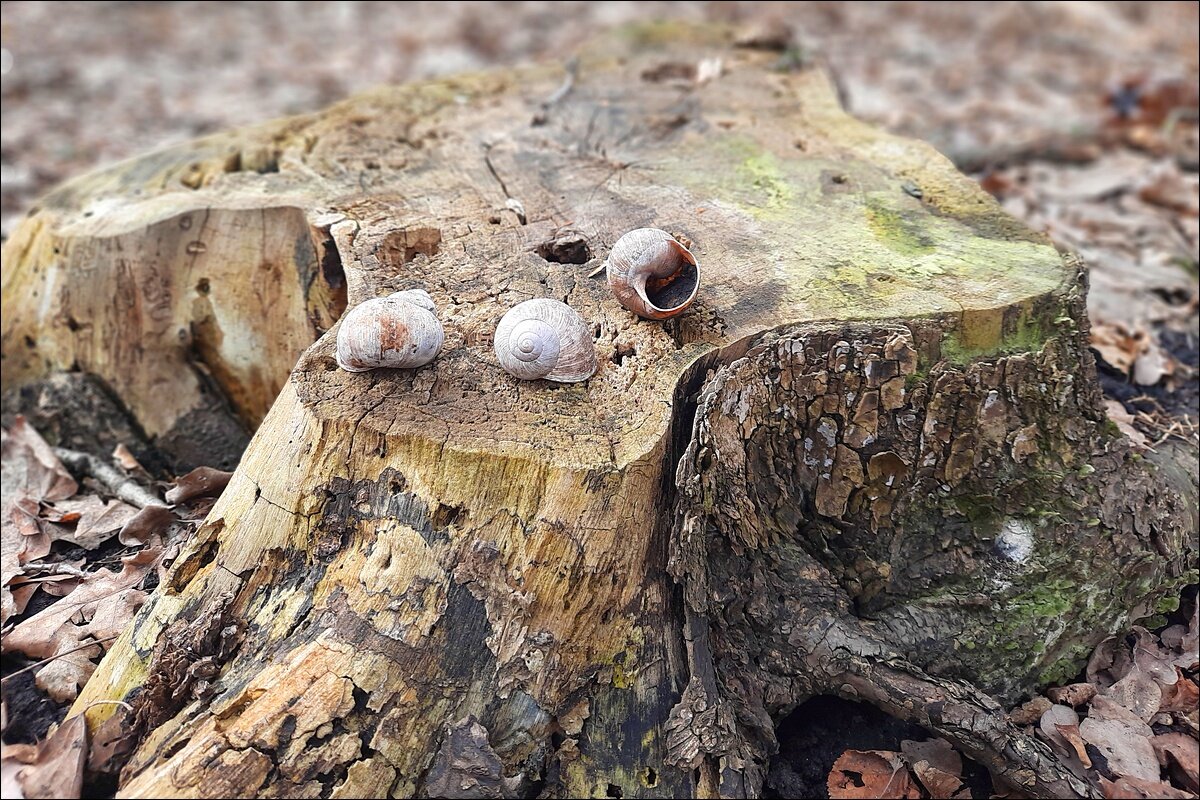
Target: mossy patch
[979,338]
[899,231]
[763,172]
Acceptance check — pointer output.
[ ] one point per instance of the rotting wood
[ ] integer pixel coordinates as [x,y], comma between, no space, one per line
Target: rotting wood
[871,461]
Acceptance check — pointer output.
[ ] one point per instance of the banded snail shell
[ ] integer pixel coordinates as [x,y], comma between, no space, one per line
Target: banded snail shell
[545,339]
[399,331]
[652,274]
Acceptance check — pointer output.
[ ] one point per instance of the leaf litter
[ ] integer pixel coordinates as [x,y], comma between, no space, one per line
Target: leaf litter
[78,564]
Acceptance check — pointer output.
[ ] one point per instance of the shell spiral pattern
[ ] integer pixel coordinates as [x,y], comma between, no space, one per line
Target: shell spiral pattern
[545,339]
[399,331]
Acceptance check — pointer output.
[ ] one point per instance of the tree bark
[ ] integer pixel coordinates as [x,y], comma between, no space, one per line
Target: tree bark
[871,461]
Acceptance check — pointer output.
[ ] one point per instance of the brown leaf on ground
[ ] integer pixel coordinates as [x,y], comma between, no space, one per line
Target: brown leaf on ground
[1109,662]
[23,587]
[34,636]
[150,521]
[1138,692]
[1132,350]
[95,521]
[870,774]
[1060,724]
[53,768]
[112,741]
[13,758]
[1171,190]
[1184,642]
[1151,657]
[70,669]
[126,460]
[100,607]
[21,540]
[1151,101]
[17,596]
[1137,789]
[29,466]
[937,752]
[1182,695]
[1075,694]
[1180,755]
[29,473]
[1122,738]
[200,482]
[939,784]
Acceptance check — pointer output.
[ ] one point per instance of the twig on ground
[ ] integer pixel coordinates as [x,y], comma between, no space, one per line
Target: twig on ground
[124,487]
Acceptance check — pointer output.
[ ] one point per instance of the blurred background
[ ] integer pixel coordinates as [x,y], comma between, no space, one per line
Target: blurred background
[1080,117]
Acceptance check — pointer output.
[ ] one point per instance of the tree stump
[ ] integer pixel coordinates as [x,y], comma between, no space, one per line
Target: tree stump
[871,461]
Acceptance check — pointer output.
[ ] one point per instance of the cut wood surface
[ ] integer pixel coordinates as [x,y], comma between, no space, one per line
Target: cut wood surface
[871,460]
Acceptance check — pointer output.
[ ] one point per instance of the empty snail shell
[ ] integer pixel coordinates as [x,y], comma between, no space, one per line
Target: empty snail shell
[545,339]
[398,331]
[652,274]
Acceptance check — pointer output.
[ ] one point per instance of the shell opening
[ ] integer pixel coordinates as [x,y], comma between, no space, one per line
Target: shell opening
[676,290]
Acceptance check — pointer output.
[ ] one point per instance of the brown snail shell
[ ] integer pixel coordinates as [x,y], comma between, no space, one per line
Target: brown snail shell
[545,339]
[399,331]
[652,274]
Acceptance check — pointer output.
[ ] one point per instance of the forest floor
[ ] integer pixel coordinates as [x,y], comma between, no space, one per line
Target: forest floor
[1081,118]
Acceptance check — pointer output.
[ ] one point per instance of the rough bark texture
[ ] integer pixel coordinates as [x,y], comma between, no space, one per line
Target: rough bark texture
[871,461]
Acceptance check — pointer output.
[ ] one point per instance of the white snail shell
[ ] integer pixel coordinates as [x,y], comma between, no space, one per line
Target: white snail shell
[652,274]
[545,339]
[398,331]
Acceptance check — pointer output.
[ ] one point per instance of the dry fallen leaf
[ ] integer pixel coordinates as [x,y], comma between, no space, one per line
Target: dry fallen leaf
[1060,724]
[126,460]
[939,784]
[1122,738]
[29,474]
[29,466]
[53,768]
[1151,657]
[101,606]
[95,521]
[1109,662]
[1179,754]
[146,523]
[870,774]
[1136,789]
[1138,692]
[200,482]
[1132,350]
[1182,695]
[1170,189]
[21,540]
[938,752]
[1184,642]
[1075,694]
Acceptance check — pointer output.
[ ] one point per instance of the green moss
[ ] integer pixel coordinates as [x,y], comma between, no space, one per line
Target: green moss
[963,347]
[1045,600]
[900,232]
[763,173]
[1167,604]
[1065,669]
